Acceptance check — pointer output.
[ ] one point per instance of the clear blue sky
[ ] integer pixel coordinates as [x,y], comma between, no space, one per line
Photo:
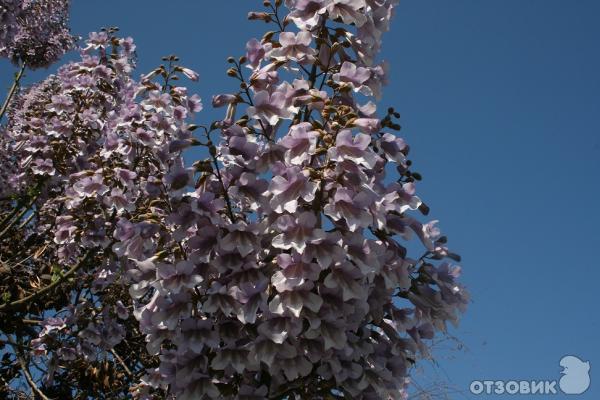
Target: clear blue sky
[500,101]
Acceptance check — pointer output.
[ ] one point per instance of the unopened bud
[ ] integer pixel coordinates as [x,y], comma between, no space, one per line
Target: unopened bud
[314,174]
[267,3]
[203,166]
[268,36]
[345,88]
[231,72]
[254,15]
[230,60]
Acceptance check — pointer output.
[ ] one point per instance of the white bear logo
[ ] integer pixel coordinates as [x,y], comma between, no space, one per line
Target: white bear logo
[576,379]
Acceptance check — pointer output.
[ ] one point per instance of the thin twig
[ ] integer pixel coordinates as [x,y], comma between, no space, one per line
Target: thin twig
[27,375]
[48,288]
[12,90]
[120,360]
[19,207]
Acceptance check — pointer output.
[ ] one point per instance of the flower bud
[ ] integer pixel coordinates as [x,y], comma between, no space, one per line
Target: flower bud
[267,36]
[190,74]
[222,99]
[254,15]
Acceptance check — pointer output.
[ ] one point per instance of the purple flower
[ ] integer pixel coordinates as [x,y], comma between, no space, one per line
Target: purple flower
[300,142]
[350,73]
[347,11]
[255,52]
[368,125]
[269,108]
[346,278]
[294,301]
[157,101]
[61,104]
[219,299]
[296,233]
[188,73]
[196,334]
[293,184]
[351,207]
[121,310]
[179,177]
[295,47]
[294,273]
[119,201]
[325,251]
[194,104]
[241,238]
[65,229]
[175,278]
[392,147]
[278,329]
[221,100]
[306,14]
[355,148]
[125,176]
[97,40]
[43,167]
[52,324]
[90,186]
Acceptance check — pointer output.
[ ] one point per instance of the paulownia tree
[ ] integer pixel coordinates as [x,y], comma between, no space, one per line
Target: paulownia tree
[273,267]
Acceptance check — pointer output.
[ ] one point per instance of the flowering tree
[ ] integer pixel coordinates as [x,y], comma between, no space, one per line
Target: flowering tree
[272,268]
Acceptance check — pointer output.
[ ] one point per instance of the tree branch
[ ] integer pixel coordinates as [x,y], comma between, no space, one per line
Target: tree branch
[41,292]
[27,374]
[12,91]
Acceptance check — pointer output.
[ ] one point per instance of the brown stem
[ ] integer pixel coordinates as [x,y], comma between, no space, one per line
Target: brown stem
[12,90]
[225,193]
[19,206]
[25,210]
[120,360]
[48,288]
[35,389]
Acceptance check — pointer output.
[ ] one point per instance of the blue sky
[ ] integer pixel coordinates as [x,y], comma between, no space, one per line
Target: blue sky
[500,102]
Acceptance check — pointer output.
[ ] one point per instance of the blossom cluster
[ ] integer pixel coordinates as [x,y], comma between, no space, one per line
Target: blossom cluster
[275,267]
[87,149]
[286,276]
[34,32]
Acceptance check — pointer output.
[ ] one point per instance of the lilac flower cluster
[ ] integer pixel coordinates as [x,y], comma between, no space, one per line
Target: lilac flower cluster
[34,32]
[281,274]
[273,268]
[99,148]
